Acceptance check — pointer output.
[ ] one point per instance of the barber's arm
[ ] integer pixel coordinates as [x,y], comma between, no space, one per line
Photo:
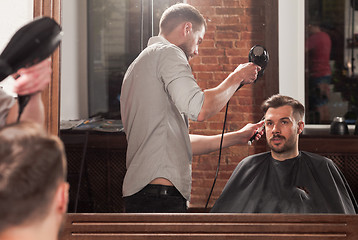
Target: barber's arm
[216,98]
[31,81]
[205,144]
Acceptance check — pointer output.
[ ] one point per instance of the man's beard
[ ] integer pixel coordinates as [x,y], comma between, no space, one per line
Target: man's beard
[286,146]
[186,50]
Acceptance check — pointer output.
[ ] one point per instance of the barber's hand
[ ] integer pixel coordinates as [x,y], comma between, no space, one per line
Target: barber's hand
[247,72]
[249,130]
[33,79]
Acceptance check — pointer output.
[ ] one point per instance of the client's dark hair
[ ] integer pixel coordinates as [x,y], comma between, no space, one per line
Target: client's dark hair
[278,100]
[32,165]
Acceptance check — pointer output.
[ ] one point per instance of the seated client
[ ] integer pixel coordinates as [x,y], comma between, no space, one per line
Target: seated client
[285,180]
[33,189]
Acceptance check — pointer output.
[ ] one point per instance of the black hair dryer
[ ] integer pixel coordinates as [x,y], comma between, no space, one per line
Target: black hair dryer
[30,45]
[259,55]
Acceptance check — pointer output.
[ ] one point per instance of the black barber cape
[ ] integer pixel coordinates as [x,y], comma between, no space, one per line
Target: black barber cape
[308,183]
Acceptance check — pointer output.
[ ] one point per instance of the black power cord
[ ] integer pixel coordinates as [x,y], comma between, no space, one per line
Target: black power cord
[258,55]
[22,100]
[220,149]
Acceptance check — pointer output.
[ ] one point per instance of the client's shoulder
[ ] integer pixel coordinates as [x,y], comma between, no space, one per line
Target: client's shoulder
[316,158]
[256,157]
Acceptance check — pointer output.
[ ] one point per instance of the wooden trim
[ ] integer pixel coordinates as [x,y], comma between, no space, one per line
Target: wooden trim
[51,95]
[205,226]
[271,44]
[329,144]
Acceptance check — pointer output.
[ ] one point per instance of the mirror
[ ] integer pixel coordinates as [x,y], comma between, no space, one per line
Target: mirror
[90,84]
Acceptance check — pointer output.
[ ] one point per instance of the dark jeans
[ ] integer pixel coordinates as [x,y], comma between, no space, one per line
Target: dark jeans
[156,199]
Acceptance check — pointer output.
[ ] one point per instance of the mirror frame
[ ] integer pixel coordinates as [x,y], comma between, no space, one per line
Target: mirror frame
[51,95]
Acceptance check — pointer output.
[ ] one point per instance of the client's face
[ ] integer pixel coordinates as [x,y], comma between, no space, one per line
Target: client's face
[282,131]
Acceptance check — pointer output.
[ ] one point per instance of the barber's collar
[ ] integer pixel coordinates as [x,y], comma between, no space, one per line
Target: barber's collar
[158,39]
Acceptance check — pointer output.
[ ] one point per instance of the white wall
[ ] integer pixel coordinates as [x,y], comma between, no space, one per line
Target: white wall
[74,90]
[291,49]
[14,14]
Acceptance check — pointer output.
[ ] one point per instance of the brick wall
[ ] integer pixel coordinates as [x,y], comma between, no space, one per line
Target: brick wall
[234,26]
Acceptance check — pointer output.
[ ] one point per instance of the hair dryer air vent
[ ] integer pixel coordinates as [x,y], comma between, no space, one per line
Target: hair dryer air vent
[260,57]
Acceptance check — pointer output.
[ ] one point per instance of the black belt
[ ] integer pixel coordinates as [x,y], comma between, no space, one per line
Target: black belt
[161,190]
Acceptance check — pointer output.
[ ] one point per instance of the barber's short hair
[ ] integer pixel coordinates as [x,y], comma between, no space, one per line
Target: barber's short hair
[32,165]
[179,13]
[278,100]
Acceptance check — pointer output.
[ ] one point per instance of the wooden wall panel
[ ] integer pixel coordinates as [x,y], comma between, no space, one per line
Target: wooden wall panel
[51,95]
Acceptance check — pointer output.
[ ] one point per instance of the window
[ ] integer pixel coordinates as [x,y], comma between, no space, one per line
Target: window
[331,73]
[117,32]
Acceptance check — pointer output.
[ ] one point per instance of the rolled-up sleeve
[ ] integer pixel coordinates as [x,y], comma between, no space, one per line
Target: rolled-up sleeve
[179,82]
[6,102]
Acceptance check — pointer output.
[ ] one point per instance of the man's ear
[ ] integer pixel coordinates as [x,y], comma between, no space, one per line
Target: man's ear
[188,27]
[301,126]
[62,197]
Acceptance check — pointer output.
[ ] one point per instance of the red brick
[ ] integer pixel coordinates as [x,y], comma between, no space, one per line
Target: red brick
[231,20]
[201,125]
[205,76]
[229,11]
[207,68]
[202,83]
[226,35]
[206,10]
[205,2]
[207,43]
[247,19]
[232,27]
[209,35]
[246,101]
[216,20]
[237,52]
[210,28]
[236,60]
[253,36]
[209,60]
[211,52]
[195,60]
[224,44]
[223,60]
[234,3]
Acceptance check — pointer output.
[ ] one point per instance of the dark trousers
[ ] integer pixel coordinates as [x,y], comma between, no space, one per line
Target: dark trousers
[156,199]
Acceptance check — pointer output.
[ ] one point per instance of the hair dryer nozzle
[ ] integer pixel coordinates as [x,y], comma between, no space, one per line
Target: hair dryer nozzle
[259,55]
[31,44]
